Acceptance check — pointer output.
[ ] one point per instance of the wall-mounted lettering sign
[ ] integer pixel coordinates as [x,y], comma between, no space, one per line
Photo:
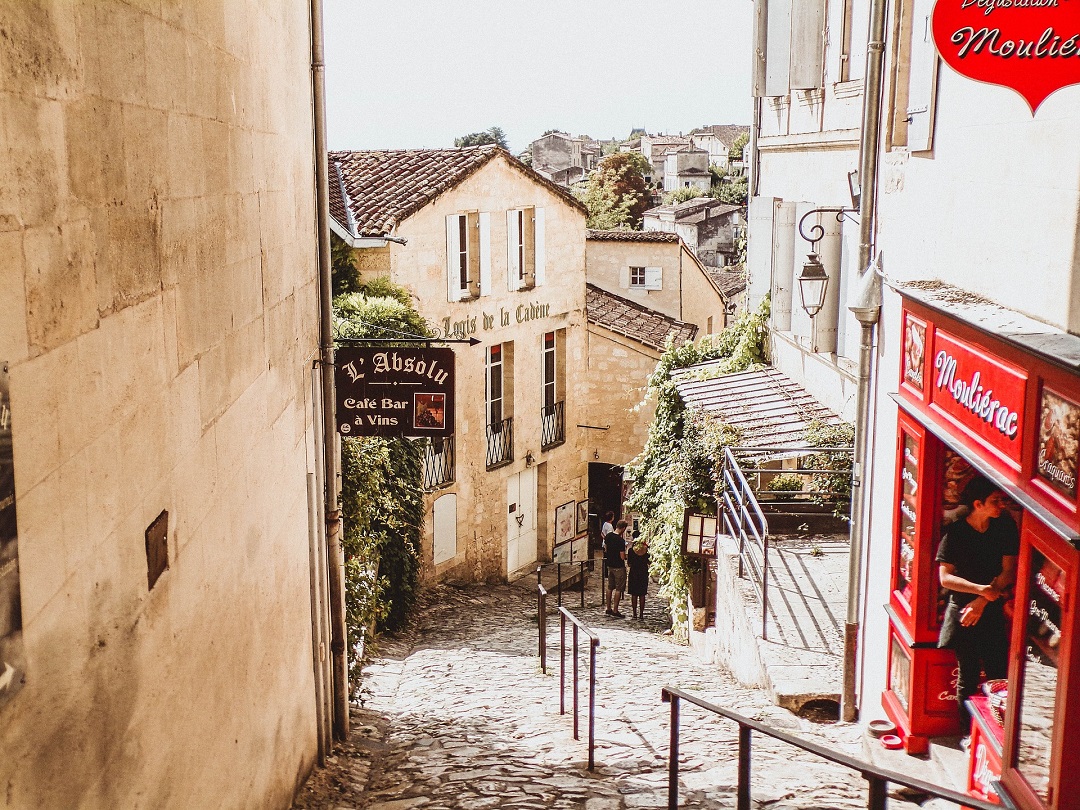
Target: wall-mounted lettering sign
[914,351]
[522,313]
[395,391]
[12,665]
[980,393]
[1059,441]
[1031,46]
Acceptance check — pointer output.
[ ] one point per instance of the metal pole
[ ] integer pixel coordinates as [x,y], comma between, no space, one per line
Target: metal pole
[541,601]
[765,589]
[581,580]
[867,308]
[576,737]
[562,663]
[743,801]
[877,795]
[558,582]
[336,557]
[593,643]
[673,755]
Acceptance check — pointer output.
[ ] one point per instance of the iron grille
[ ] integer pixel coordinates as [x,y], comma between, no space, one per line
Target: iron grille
[439,463]
[552,426]
[500,443]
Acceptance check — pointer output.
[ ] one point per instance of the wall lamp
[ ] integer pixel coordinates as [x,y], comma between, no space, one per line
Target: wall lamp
[813,280]
[529,459]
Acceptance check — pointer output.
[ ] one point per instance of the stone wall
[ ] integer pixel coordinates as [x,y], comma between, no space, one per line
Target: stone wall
[158,310]
[617,383]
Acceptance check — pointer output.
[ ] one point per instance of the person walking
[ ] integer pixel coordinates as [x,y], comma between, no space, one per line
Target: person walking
[615,557]
[637,576]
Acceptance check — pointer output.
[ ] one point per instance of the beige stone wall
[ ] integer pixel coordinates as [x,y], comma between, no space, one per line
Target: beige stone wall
[159,315]
[701,300]
[421,267]
[617,383]
[608,263]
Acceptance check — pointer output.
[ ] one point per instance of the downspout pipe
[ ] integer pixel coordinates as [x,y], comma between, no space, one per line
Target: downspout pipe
[866,307]
[331,459]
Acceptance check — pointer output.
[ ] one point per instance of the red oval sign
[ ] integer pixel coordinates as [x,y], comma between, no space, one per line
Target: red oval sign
[1032,46]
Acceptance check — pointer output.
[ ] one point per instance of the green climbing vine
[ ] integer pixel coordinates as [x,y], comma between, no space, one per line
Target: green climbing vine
[834,486]
[679,466]
[382,485]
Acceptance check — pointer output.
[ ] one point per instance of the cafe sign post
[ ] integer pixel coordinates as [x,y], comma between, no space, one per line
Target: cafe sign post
[399,391]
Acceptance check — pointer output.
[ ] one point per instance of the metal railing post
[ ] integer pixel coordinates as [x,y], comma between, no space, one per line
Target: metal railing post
[673,754]
[558,583]
[743,801]
[562,663]
[603,581]
[576,737]
[581,580]
[765,590]
[876,794]
[592,701]
[542,621]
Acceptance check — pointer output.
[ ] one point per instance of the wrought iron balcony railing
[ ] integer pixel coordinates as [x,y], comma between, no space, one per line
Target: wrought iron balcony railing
[552,426]
[439,463]
[500,443]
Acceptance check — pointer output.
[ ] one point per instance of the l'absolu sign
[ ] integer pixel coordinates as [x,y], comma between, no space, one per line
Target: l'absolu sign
[395,392]
[978,392]
[1031,46]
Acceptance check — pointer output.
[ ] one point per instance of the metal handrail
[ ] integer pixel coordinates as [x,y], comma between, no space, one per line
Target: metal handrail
[594,643]
[744,520]
[438,463]
[877,778]
[541,621]
[558,577]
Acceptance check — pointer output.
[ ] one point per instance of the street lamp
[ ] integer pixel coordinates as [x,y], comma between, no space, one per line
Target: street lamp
[813,282]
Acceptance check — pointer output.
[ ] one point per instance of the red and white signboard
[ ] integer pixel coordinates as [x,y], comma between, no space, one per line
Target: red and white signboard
[979,393]
[1031,46]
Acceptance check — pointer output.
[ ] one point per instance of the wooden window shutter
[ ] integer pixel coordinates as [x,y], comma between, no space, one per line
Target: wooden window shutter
[472,228]
[539,252]
[511,251]
[654,278]
[528,224]
[453,247]
[807,44]
[485,253]
[922,79]
[778,48]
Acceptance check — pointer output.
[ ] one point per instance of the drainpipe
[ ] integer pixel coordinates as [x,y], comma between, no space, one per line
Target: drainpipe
[331,478]
[866,307]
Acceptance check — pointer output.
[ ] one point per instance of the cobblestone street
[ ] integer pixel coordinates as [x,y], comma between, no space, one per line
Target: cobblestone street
[456,714]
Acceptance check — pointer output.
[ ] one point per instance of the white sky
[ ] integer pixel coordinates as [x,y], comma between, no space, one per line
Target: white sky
[418,73]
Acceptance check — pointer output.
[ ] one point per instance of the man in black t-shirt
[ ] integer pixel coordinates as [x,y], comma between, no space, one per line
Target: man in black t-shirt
[615,556]
[976,564]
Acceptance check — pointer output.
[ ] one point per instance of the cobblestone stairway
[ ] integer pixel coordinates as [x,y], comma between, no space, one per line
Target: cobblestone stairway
[456,714]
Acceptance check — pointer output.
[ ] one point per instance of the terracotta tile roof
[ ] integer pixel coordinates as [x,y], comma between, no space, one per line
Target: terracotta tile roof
[631,236]
[634,321]
[729,281]
[371,192]
[726,133]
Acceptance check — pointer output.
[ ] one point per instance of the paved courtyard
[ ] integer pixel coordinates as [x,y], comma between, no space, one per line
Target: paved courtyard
[457,714]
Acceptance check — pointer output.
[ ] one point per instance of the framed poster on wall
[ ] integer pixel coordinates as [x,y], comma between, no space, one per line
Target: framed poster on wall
[564,522]
[582,517]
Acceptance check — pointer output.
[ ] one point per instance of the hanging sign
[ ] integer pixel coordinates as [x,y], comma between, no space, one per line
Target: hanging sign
[1031,46]
[978,392]
[395,391]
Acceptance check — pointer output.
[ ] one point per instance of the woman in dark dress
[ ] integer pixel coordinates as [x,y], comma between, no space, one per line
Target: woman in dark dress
[637,576]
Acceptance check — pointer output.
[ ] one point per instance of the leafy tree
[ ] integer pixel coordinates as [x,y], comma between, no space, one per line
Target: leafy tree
[680,464]
[736,151]
[493,135]
[615,192]
[733,193]
[382,485]
[681,195]
[343,272]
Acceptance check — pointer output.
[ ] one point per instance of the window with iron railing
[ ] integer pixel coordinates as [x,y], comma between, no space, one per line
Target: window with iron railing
[500,443]
[552,426]
[439,463]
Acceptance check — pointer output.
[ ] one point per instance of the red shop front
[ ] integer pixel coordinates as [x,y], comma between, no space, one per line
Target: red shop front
[972,403]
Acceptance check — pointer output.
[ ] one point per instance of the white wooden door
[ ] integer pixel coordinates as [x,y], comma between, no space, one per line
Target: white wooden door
[520,520]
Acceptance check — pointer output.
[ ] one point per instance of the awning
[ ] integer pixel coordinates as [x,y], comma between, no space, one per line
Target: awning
[767,407]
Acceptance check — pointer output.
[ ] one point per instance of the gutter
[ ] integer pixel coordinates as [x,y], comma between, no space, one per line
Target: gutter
[331,459]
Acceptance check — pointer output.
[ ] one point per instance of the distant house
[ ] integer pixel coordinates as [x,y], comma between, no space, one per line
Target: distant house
[563,158]
[717,140]
[686,167]
[708,227]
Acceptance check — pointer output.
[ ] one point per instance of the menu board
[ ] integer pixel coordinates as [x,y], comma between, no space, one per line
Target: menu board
[1059,439]
[1039,679]
[909,486]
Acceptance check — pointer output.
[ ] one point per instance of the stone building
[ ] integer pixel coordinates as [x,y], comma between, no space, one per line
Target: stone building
[496,252]
[564,158]
[158,312]
[686,167]
[717,140]
[708,226]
